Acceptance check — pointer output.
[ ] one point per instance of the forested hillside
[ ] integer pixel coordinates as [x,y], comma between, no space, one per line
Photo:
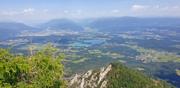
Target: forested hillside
[124,77]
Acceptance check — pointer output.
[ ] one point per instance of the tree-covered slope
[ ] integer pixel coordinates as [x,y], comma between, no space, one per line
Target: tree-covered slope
[124,77]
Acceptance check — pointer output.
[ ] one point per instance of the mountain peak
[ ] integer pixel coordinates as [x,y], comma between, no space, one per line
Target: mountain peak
[62,25]
[91,78]
[115,76]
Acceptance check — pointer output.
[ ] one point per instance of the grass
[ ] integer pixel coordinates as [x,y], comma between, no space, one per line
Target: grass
[154,55]
[178,72]
[79,60]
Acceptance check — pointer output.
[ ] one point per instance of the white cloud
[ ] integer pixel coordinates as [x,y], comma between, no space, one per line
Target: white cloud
[28,11]
[9,13]
[155,10]
[176,7]
[72,13]
[115,11]
[45,10]
[157,7]
[66,11]
[137,8]
[78,12]
[170,8]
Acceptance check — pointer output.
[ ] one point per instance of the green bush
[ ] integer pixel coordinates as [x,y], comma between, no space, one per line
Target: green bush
[41,70]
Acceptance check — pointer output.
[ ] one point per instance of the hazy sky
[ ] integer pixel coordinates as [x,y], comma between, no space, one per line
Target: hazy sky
[38,10]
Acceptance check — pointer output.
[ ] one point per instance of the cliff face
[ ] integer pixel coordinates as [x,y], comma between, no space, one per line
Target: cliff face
[115,76]
[91,79]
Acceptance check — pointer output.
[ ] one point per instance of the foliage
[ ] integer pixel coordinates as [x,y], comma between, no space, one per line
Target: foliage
[151,55]
[124,77]
[178,72]
[41,70]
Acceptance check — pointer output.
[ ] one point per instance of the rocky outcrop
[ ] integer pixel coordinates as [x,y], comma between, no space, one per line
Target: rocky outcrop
[115,75]
[91,79]
[178,72]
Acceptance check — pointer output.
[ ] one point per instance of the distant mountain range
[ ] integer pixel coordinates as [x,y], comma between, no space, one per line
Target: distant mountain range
[12,29]
[116,24]
[111,24]
[62,25]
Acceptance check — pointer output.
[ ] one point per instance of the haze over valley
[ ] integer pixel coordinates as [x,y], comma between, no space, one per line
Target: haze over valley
[98,44]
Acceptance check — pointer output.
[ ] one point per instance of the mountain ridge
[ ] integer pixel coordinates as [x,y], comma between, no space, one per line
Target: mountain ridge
[119,24]
[12,29]
[115,75]
[62,25]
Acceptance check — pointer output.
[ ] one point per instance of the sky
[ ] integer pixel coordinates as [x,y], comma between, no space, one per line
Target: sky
[41,10]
